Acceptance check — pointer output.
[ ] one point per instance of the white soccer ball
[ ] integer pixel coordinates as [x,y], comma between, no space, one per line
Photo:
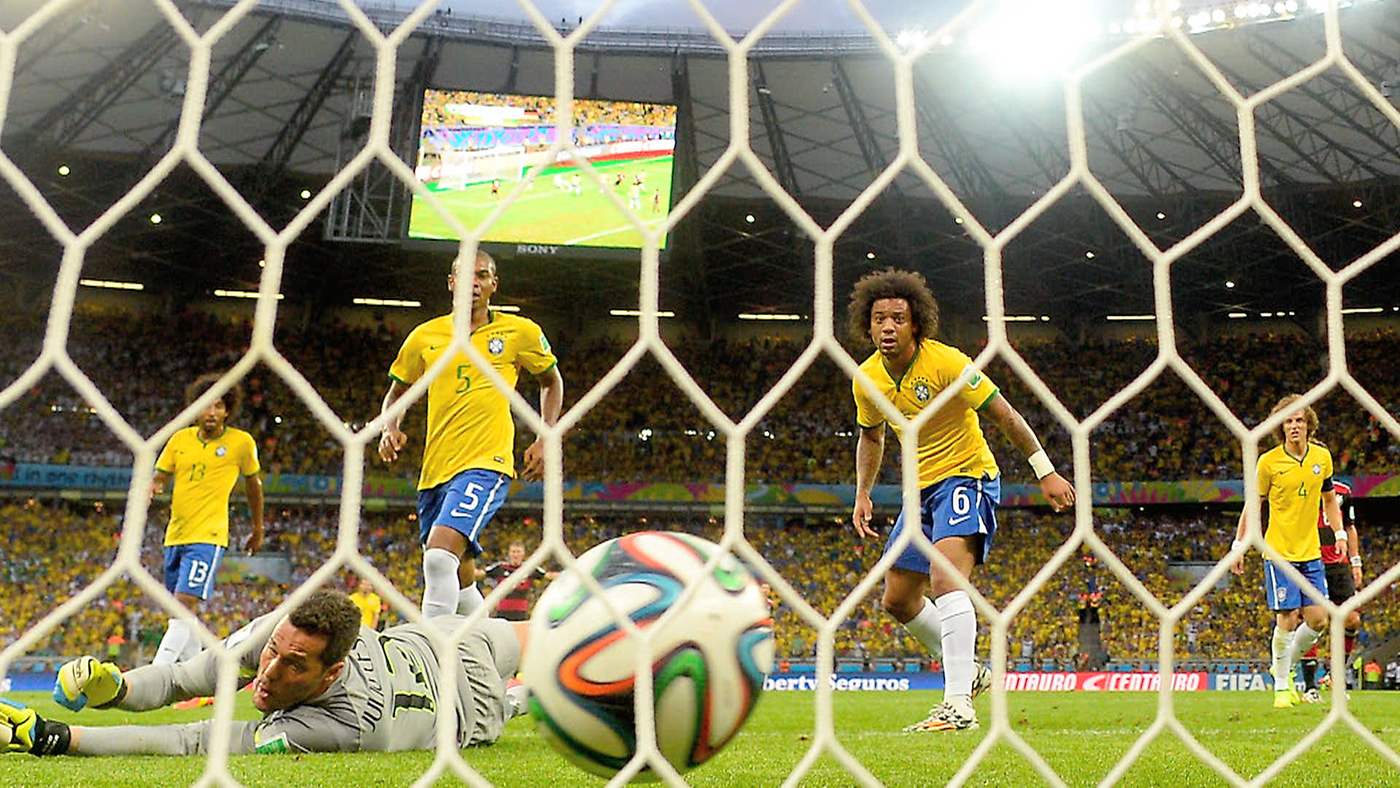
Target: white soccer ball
[708,661]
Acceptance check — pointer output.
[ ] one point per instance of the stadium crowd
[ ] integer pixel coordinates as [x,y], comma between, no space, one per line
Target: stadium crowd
[50,551]
[1165,433]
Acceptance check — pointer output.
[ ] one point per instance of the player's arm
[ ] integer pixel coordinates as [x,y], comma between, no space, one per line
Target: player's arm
[551,403]
[1013,425]
[253,488]
[25,731]
[159,482]
[870,452]
[392,441]
[1354,553]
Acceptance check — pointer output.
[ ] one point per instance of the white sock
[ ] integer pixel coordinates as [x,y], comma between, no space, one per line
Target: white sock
[1278,649]
[172,645]
[926,629]
[469,599]
[959,621]
[439,582]
[1303,639]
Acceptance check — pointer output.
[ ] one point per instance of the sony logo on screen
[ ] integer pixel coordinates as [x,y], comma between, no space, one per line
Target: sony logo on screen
[536,249]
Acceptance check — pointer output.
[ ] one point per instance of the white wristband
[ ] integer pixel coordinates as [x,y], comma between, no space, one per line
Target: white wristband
[1041,465]
[1235,545]
[1340,536]
[1356,560]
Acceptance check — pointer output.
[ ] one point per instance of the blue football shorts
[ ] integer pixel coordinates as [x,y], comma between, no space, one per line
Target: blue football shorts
[465,503]
[190,568]
[1284,594]
[956,506]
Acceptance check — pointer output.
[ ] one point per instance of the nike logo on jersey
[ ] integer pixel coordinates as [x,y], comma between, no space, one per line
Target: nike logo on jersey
[956,520]
[461,510]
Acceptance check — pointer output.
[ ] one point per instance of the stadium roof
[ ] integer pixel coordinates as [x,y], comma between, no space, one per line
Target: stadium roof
[99,87]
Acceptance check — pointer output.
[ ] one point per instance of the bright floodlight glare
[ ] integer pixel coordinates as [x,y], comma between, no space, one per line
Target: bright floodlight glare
[155,218]
[1161,215]
[1356,203]
[1033,38]
[306,194]
[870,255]
[748,217]
[63,170]
[1229,283]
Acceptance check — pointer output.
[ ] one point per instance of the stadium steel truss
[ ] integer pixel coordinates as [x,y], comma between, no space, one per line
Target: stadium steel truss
[1159,166]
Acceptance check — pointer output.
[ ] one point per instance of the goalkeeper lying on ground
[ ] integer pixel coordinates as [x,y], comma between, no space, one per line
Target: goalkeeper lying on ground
[323,683]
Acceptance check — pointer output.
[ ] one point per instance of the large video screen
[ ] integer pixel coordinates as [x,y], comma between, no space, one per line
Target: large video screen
[475,149]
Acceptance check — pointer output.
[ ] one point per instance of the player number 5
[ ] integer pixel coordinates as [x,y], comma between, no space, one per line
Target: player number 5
[463,381]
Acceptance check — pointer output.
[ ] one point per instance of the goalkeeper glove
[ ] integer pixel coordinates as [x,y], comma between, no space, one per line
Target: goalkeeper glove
[85,680]
[22,730]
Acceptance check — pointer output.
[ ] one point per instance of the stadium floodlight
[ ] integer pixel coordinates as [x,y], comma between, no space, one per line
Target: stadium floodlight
[505,307]
[1237,315]
[1161,215]
[403,302]
[1015,318]
[1129,318]
[768,316]
[870,255]
[306,194]
[638,313]
[748,217]
[111,285]
[1089,255]
[242,294]
[1229,284]
[909,38]
[1363,310]
[63,170]
[1356,203]
[1030,38]
[155,218]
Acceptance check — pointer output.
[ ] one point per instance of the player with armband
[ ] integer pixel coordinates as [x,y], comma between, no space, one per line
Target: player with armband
[960,484]
[322,682]
[1341,561]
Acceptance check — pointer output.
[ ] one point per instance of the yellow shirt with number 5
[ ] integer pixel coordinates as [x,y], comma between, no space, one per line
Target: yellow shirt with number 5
[469,421]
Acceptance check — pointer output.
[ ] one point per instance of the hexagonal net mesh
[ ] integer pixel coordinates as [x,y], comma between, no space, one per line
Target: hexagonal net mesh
[739,153]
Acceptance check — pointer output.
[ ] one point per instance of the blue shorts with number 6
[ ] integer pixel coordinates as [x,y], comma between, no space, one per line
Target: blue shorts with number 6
[956,506]
[190,568]
[465,503]
[1284,594]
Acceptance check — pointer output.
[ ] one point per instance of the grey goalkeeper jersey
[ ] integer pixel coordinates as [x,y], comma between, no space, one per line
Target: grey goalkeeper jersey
[386,698]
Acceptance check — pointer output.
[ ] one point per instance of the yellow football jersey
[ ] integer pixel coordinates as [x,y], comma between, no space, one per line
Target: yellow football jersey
[369,605]
[469,421]
[1293,487]
[203,475]
[951,443]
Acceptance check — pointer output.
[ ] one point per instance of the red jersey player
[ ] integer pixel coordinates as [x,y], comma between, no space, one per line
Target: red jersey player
[1343,568]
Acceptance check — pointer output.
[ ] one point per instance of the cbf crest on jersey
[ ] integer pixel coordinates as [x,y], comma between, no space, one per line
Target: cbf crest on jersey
[496,346]
[1317,469]
[922,392]
[221,451]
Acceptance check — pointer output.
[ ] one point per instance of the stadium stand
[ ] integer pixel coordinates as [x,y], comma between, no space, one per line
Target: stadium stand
[51,550]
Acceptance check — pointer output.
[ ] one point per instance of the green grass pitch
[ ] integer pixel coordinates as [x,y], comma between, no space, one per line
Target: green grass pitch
[1081,736]
[545,215]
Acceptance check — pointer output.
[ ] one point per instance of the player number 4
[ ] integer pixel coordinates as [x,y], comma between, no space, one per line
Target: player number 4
[1302,491]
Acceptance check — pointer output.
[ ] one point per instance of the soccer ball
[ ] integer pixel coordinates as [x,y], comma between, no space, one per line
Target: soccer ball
[708,661]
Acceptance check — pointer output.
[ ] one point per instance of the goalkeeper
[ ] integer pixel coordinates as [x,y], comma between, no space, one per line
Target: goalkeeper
[323,683]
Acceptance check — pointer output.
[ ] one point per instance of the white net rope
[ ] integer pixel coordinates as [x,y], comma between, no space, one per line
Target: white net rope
[54,356]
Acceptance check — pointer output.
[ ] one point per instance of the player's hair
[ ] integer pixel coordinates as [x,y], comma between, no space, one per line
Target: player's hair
[332,615]
[233,397]
[1309,415]
[514,543]
[481,254]
[892,283]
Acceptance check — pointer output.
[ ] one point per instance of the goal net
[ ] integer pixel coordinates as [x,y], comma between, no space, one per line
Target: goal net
[461,168]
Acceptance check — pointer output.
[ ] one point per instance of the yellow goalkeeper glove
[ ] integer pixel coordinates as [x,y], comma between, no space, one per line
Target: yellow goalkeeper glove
[85,680]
